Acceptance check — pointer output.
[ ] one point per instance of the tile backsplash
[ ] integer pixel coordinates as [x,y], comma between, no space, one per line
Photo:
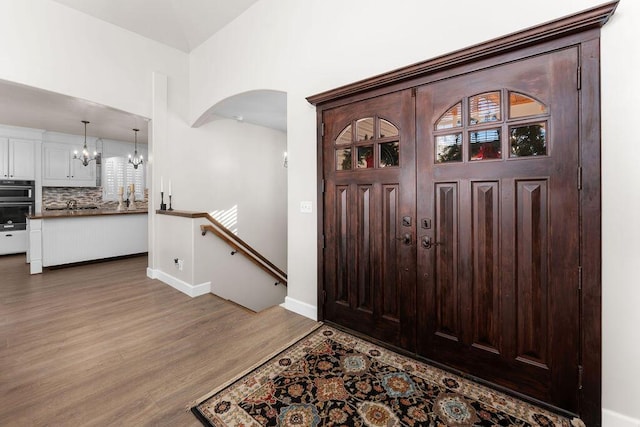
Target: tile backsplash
[85,196]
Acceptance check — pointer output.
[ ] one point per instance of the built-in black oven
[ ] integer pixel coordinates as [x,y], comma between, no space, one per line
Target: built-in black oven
[13,215]
[17,200]
[16,191]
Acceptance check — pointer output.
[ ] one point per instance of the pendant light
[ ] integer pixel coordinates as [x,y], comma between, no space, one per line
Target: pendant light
[135,160]
[85,158]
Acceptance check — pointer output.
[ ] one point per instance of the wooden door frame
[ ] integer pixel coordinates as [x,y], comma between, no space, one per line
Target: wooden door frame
[581,29]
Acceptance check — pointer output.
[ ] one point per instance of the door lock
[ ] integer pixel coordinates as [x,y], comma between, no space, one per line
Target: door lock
[428,243]
[406,238]
[406,221]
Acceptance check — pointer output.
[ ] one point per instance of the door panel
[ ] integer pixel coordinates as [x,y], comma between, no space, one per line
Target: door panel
[497,158]
[446,269]
[369,217]
[485,254]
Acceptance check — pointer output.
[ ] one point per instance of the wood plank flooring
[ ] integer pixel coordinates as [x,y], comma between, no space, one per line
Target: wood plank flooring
[101,344]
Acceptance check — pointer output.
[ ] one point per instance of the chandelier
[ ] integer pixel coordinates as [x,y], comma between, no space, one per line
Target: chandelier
[135,160]
[85,158]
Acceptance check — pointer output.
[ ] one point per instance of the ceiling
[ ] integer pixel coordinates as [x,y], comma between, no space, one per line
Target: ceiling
[266,108]
[29,107]
[182,24]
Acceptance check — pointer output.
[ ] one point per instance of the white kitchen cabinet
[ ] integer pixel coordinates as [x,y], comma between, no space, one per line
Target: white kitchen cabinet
[13,242]
[66,238]
[60,169]
[17,159]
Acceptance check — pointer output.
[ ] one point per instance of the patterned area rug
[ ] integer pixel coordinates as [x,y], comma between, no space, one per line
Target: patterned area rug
[331,378]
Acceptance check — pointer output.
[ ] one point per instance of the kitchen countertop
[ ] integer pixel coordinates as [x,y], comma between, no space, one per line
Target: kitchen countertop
[84,212]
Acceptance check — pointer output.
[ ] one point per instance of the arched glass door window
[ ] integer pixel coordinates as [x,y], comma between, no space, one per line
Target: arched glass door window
[485,127]
[367,143]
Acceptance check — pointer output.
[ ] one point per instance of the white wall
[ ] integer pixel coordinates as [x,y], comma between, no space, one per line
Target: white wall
[227,165]
[304,48]
[50,46]
[620,225]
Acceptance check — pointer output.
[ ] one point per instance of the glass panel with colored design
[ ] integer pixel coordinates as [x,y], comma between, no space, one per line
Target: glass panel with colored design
[485,145]
[449,148]
[528,140]
[364,129]
[484,108]
[523,106]
[389,154]
[343,159]
[451,119]
[365,157]
[387,129]
[345,136]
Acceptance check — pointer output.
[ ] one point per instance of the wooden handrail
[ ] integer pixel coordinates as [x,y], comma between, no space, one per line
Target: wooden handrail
[251,254]
[234,241]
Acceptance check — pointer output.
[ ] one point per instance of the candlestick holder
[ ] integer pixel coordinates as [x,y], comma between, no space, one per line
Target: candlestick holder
[120,202]
[170,208]
[163,205]
[132,201]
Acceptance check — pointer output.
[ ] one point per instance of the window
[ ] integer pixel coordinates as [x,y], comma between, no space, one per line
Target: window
[118,172]
[375,143]
[486,128]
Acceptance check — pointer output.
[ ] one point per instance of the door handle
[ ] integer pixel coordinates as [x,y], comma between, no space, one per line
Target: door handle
[406,238]
[428,243]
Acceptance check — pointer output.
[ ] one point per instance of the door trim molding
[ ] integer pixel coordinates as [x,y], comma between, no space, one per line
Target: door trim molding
[582,21]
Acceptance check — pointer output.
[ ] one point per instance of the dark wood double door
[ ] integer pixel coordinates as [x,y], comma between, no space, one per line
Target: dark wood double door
[451,223]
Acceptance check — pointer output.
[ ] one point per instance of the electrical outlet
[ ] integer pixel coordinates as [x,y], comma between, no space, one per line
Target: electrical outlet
[306,207]
[180,264]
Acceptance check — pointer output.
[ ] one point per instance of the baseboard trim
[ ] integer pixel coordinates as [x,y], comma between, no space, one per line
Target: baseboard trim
[302,308]
[182,286]
[613,419]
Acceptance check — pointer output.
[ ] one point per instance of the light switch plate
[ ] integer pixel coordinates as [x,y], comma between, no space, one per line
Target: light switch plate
[306,207]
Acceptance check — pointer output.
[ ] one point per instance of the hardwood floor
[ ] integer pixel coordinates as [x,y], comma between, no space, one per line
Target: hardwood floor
[101,344]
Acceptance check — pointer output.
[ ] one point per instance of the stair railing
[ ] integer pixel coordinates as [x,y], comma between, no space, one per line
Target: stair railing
[240,246]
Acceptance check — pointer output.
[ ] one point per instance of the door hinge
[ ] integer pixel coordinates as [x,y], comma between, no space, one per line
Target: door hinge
[323,241]
[580,278]
[322,188]
[579,77]
[322,129]
[580,373]
[579,177]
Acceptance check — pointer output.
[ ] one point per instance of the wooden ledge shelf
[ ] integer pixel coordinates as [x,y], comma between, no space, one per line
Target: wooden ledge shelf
[184,214]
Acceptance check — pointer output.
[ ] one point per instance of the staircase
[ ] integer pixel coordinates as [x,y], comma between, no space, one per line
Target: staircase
[231,268]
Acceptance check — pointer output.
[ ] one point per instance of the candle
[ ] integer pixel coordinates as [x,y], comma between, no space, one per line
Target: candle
[161,186]
[169,187]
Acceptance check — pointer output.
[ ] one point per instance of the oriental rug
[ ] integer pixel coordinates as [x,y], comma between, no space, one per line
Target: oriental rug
[331,378]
